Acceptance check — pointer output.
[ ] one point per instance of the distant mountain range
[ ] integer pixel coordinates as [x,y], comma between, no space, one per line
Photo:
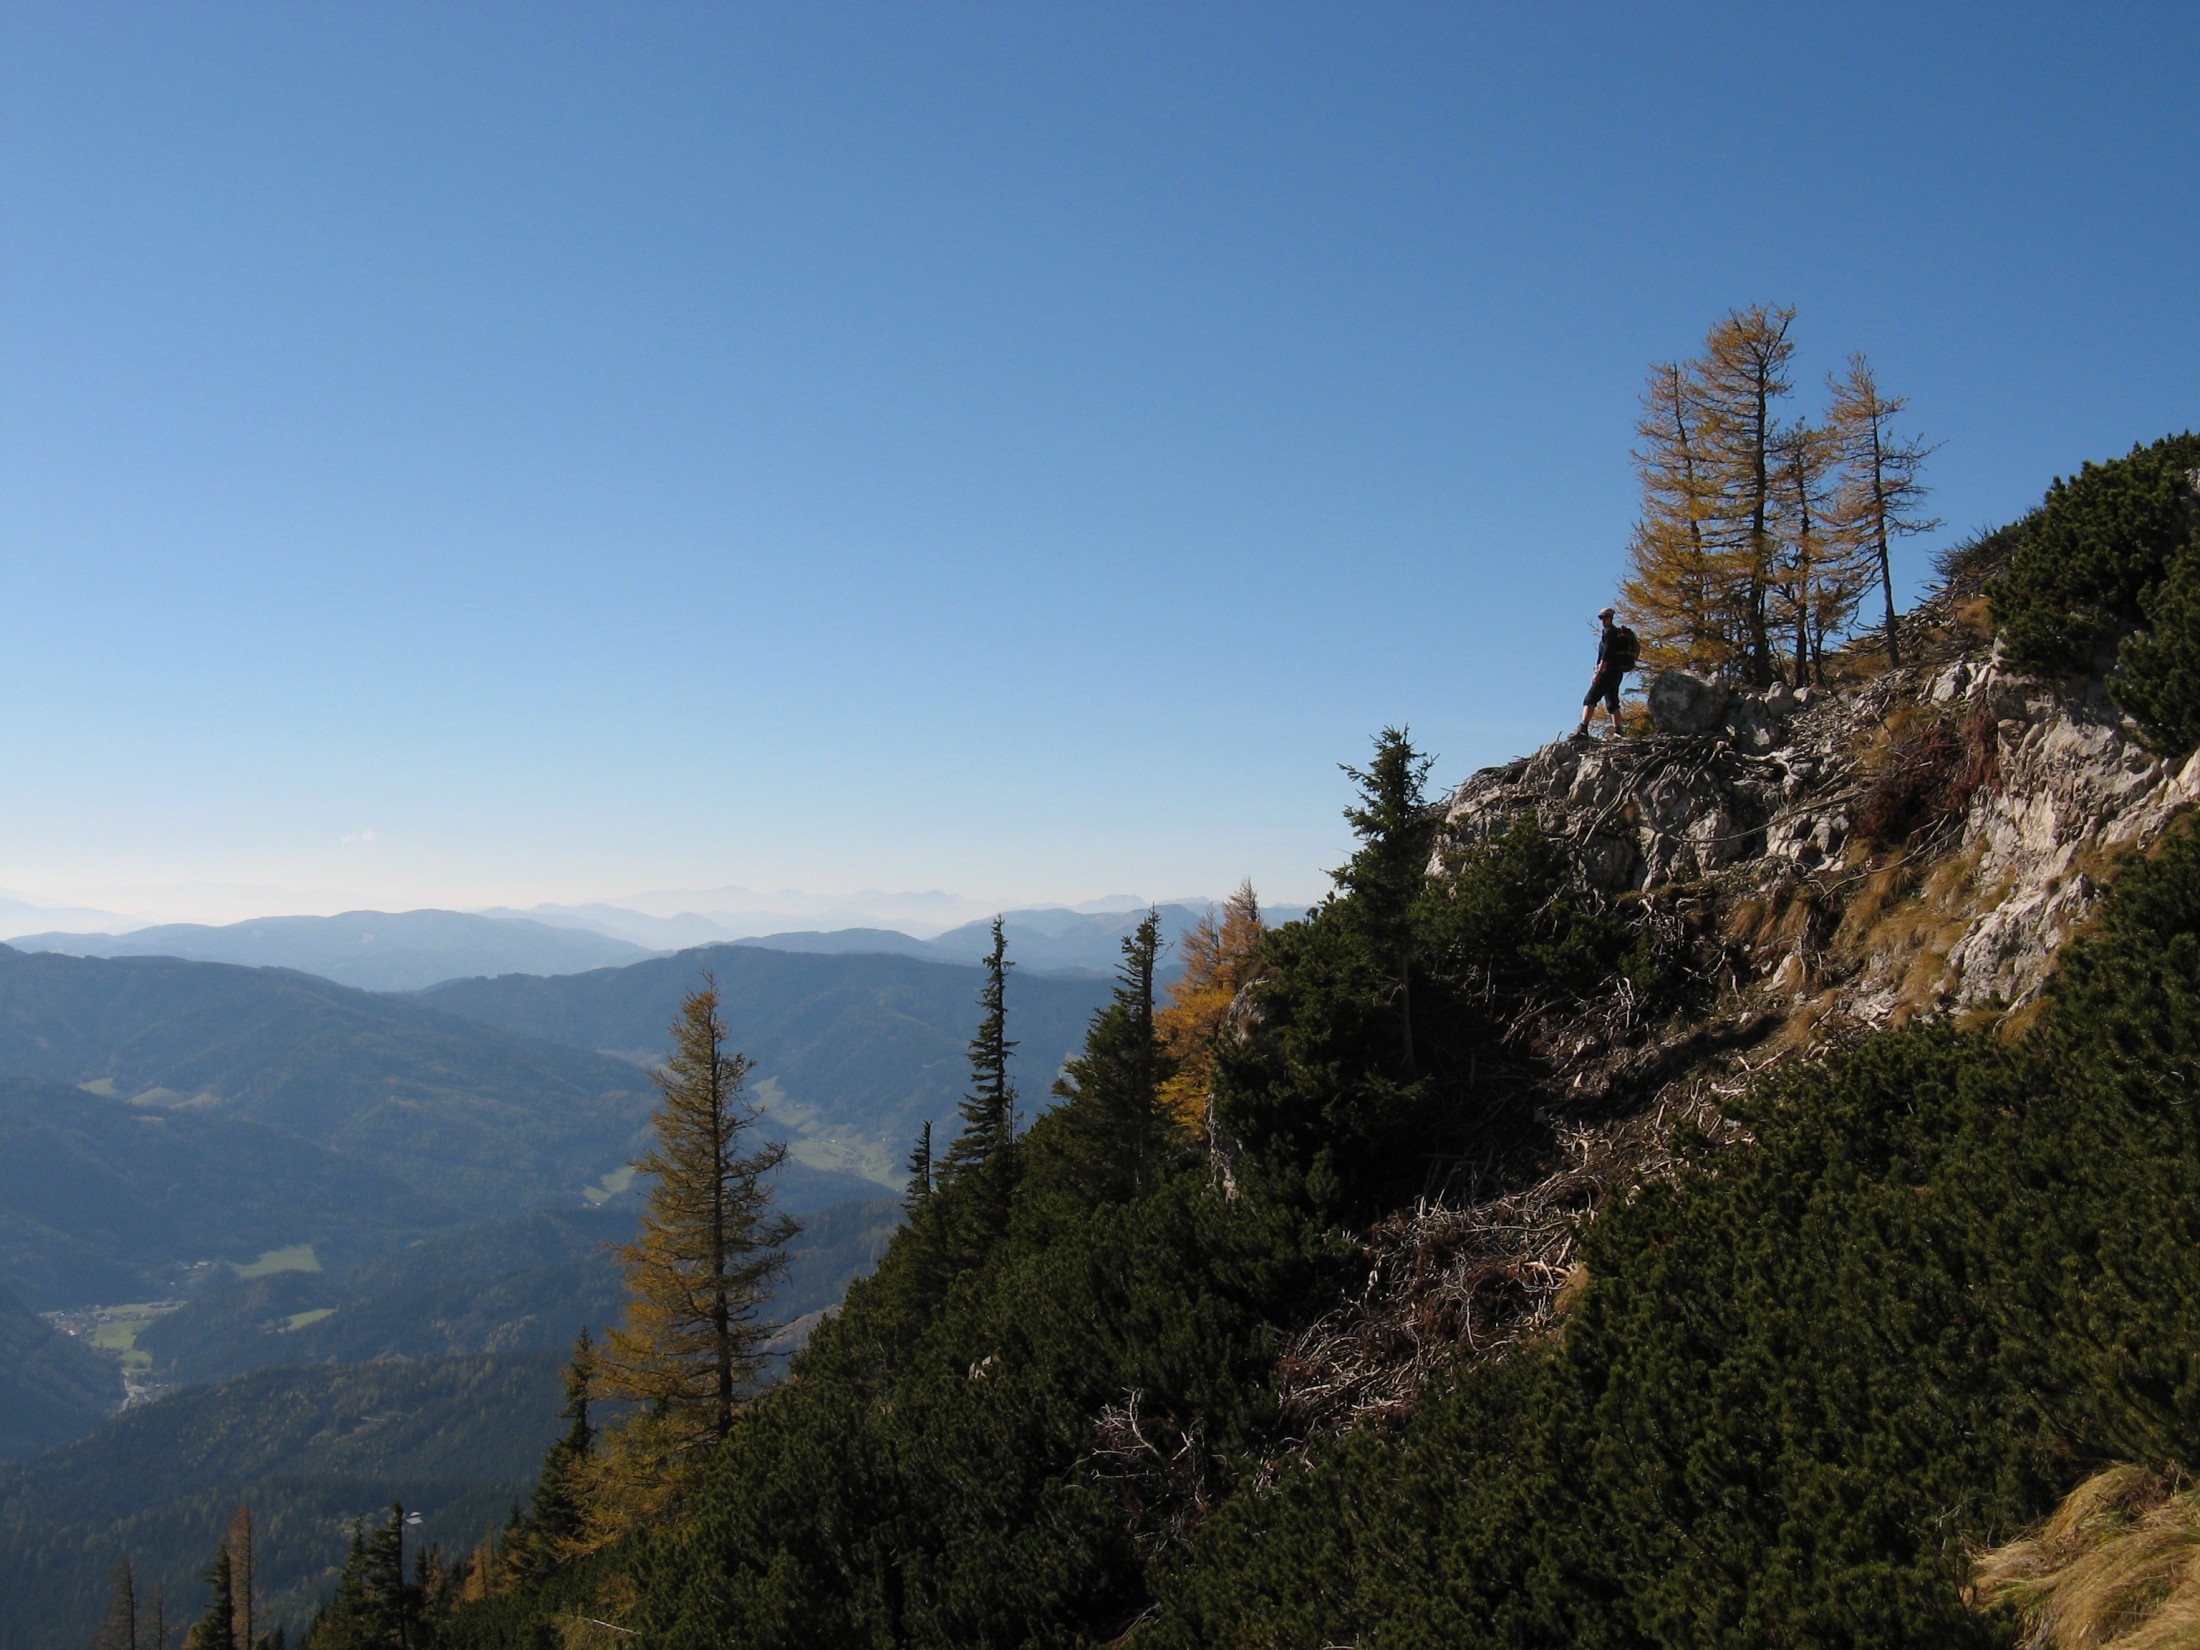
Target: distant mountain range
[853,1052]
[412,950]
[474,1119]
[374,950]
[175,1113]
[22,916]
[1046,939]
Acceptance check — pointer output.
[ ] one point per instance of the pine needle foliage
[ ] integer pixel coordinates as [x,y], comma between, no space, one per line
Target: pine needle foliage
[1952,1277]
[2089,558]
[1740,378]
[691,1345]
[1111,1137]
[982,1161]
[217,1630]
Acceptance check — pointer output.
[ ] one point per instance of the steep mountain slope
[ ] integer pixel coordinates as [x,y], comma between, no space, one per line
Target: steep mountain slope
[853,1053]
[525,1285]
[101,1201]
[486,1119]
[373,950]
[52,1387]
[309,1450]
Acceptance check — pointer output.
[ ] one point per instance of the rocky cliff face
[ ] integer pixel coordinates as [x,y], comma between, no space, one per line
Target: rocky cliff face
[1919,843]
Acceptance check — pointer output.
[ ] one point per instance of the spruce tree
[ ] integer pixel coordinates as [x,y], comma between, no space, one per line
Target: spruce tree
[699,1278]
[1112,1139]
[1397,831]
[217,1629]
[553,1527]
[920,1170]
[981,1160]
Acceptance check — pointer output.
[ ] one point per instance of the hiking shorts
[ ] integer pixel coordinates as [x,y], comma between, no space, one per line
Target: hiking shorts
[1605,686]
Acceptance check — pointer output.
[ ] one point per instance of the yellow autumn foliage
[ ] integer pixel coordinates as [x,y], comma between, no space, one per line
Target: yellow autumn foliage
[1221,953]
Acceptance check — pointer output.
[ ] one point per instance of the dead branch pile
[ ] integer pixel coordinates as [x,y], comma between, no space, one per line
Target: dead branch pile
[1446,1282]
[1159,1467]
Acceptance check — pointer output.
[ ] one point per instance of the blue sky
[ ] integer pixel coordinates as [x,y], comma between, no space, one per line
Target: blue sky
[462,454]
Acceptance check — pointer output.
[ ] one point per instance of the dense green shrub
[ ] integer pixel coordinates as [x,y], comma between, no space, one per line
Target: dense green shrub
[2089,558]
[1951,1276]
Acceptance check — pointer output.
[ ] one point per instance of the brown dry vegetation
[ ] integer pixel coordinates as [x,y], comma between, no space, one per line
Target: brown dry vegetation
[2117,1567]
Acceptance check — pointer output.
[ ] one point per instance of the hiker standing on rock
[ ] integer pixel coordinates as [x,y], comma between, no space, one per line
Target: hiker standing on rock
[1617,650]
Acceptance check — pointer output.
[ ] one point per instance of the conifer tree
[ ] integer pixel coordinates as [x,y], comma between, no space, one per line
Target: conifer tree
[1817,585]
[397,1603]
[1880,495]
[374,1607]
[1676,591]
[920,1169]
[217,1629]
[553,1528]
[1397,832]
[1221,952]
[240,1545]
[160,1616]
[699,1279]
[1738,382]
[119,1629]
[1112,1138]
[981,1160]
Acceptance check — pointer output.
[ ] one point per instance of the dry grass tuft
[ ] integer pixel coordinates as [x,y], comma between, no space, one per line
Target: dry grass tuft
[2116,1568]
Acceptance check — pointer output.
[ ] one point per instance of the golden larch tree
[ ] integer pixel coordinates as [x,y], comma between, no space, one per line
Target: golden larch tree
[699,1279]
[1738,381]
[1675,592]
[1816,584]
[1880,496]
[1221,955]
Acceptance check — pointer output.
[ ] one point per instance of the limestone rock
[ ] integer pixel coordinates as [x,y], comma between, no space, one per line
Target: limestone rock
[1685,704]
[1750,799]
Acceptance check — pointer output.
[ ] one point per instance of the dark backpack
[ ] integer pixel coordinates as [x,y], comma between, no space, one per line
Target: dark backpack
[1625,648]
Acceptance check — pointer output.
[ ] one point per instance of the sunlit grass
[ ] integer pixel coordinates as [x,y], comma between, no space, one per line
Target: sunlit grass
[299,1257]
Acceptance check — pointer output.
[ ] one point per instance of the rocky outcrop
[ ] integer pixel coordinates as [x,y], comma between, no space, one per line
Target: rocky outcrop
[1958,902]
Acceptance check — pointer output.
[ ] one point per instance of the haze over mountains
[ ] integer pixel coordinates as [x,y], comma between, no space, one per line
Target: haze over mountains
[411,950]
[374,950]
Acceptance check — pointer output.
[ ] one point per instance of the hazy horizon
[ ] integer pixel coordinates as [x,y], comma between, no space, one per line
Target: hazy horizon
[918,913]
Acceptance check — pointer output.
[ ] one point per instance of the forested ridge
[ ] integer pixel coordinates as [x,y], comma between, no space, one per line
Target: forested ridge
[1879,1308]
